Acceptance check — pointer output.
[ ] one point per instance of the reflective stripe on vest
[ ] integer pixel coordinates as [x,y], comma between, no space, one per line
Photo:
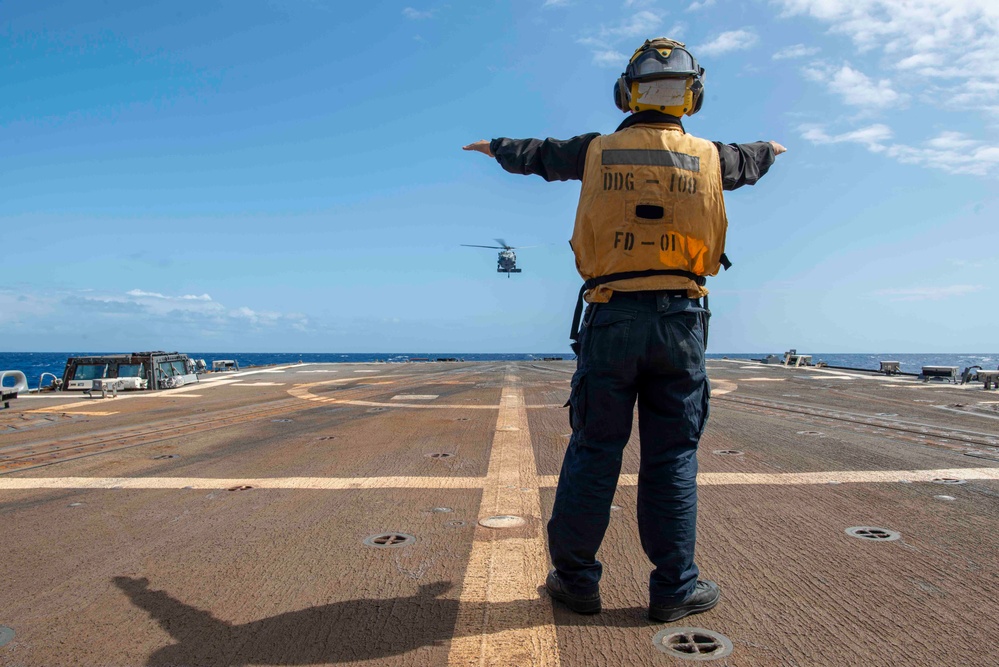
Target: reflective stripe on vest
[651,200]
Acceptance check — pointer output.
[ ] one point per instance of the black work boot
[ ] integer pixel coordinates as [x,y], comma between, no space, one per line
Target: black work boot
[705,596]
[581,604]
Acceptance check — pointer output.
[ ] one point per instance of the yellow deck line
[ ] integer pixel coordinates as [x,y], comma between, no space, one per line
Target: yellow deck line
[503,570]
[303,392]
[719,387]
[539,481]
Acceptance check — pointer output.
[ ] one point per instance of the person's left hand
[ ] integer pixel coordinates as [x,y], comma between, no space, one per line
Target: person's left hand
[482,146]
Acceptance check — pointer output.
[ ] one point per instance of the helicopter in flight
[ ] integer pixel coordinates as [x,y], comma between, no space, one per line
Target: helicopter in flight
[507,260]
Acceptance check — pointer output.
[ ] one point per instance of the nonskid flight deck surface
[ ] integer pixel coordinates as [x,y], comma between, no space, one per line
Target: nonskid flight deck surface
[393,514]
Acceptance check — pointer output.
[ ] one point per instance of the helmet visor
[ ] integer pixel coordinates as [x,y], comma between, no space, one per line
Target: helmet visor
[652,64]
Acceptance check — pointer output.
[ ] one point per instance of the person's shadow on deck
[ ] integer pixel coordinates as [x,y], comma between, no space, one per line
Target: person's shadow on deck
[346,631]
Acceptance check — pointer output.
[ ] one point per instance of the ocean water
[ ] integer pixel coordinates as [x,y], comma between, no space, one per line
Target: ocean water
[33,364]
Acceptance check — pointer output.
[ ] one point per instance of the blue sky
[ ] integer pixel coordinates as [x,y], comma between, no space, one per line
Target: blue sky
[287,176]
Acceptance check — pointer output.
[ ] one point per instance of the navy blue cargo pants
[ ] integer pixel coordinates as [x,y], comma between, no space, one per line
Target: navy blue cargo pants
[647,346]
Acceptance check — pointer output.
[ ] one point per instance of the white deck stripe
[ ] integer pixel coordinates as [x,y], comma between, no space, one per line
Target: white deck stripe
[507,569]
[317,483]
[203,384]
[805,478]
[487,483]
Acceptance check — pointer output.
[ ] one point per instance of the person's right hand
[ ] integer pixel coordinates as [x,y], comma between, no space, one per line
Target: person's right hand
[482,146]
[778,149]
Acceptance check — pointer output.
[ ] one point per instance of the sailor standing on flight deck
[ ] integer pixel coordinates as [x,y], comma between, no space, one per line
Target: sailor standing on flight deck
[650,226]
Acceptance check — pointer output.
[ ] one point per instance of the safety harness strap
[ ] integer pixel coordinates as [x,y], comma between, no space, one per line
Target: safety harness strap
[625,275]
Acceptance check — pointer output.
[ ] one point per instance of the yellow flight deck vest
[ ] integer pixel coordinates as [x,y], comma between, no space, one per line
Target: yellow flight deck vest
[651,199]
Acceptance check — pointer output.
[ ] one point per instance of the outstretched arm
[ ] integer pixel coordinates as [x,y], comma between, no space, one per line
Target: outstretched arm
[744,164]
[551,159]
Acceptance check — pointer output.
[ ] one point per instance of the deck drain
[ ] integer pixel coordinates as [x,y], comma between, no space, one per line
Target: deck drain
[389,540]
[75,505]
[455,524]
[376,409]
[6,634]
[242,487]
[873,533]
[809,432]
[692,643]
[728,452]
[440,455]
[502,521]
[326,437]
[944,497]
[949,480]
[166,456]
[886,414]
[441,510]
[462,419]
[281,421]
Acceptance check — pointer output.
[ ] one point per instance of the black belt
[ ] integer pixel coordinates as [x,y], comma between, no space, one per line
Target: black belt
[627,275]
[649,295]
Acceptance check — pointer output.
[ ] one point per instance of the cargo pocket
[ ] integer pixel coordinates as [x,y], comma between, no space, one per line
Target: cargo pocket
[577,402]
[705,408]
[608,332]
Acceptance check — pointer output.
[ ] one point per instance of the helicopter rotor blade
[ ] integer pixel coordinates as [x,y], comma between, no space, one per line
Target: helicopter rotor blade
[491,247]
[502,243]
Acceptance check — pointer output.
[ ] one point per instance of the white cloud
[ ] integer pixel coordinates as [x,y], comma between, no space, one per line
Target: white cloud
[192,316]
[555,3]
[610,59]
[255,317]
[928,293]
[607,42]
[726,42]
[416,14]
[642,24]
[854,87]
[952,152]
[873,137]
[955,141]
[795,51]
[953,40]
[700,4]
[157,295]
[941,53]
[975,158]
